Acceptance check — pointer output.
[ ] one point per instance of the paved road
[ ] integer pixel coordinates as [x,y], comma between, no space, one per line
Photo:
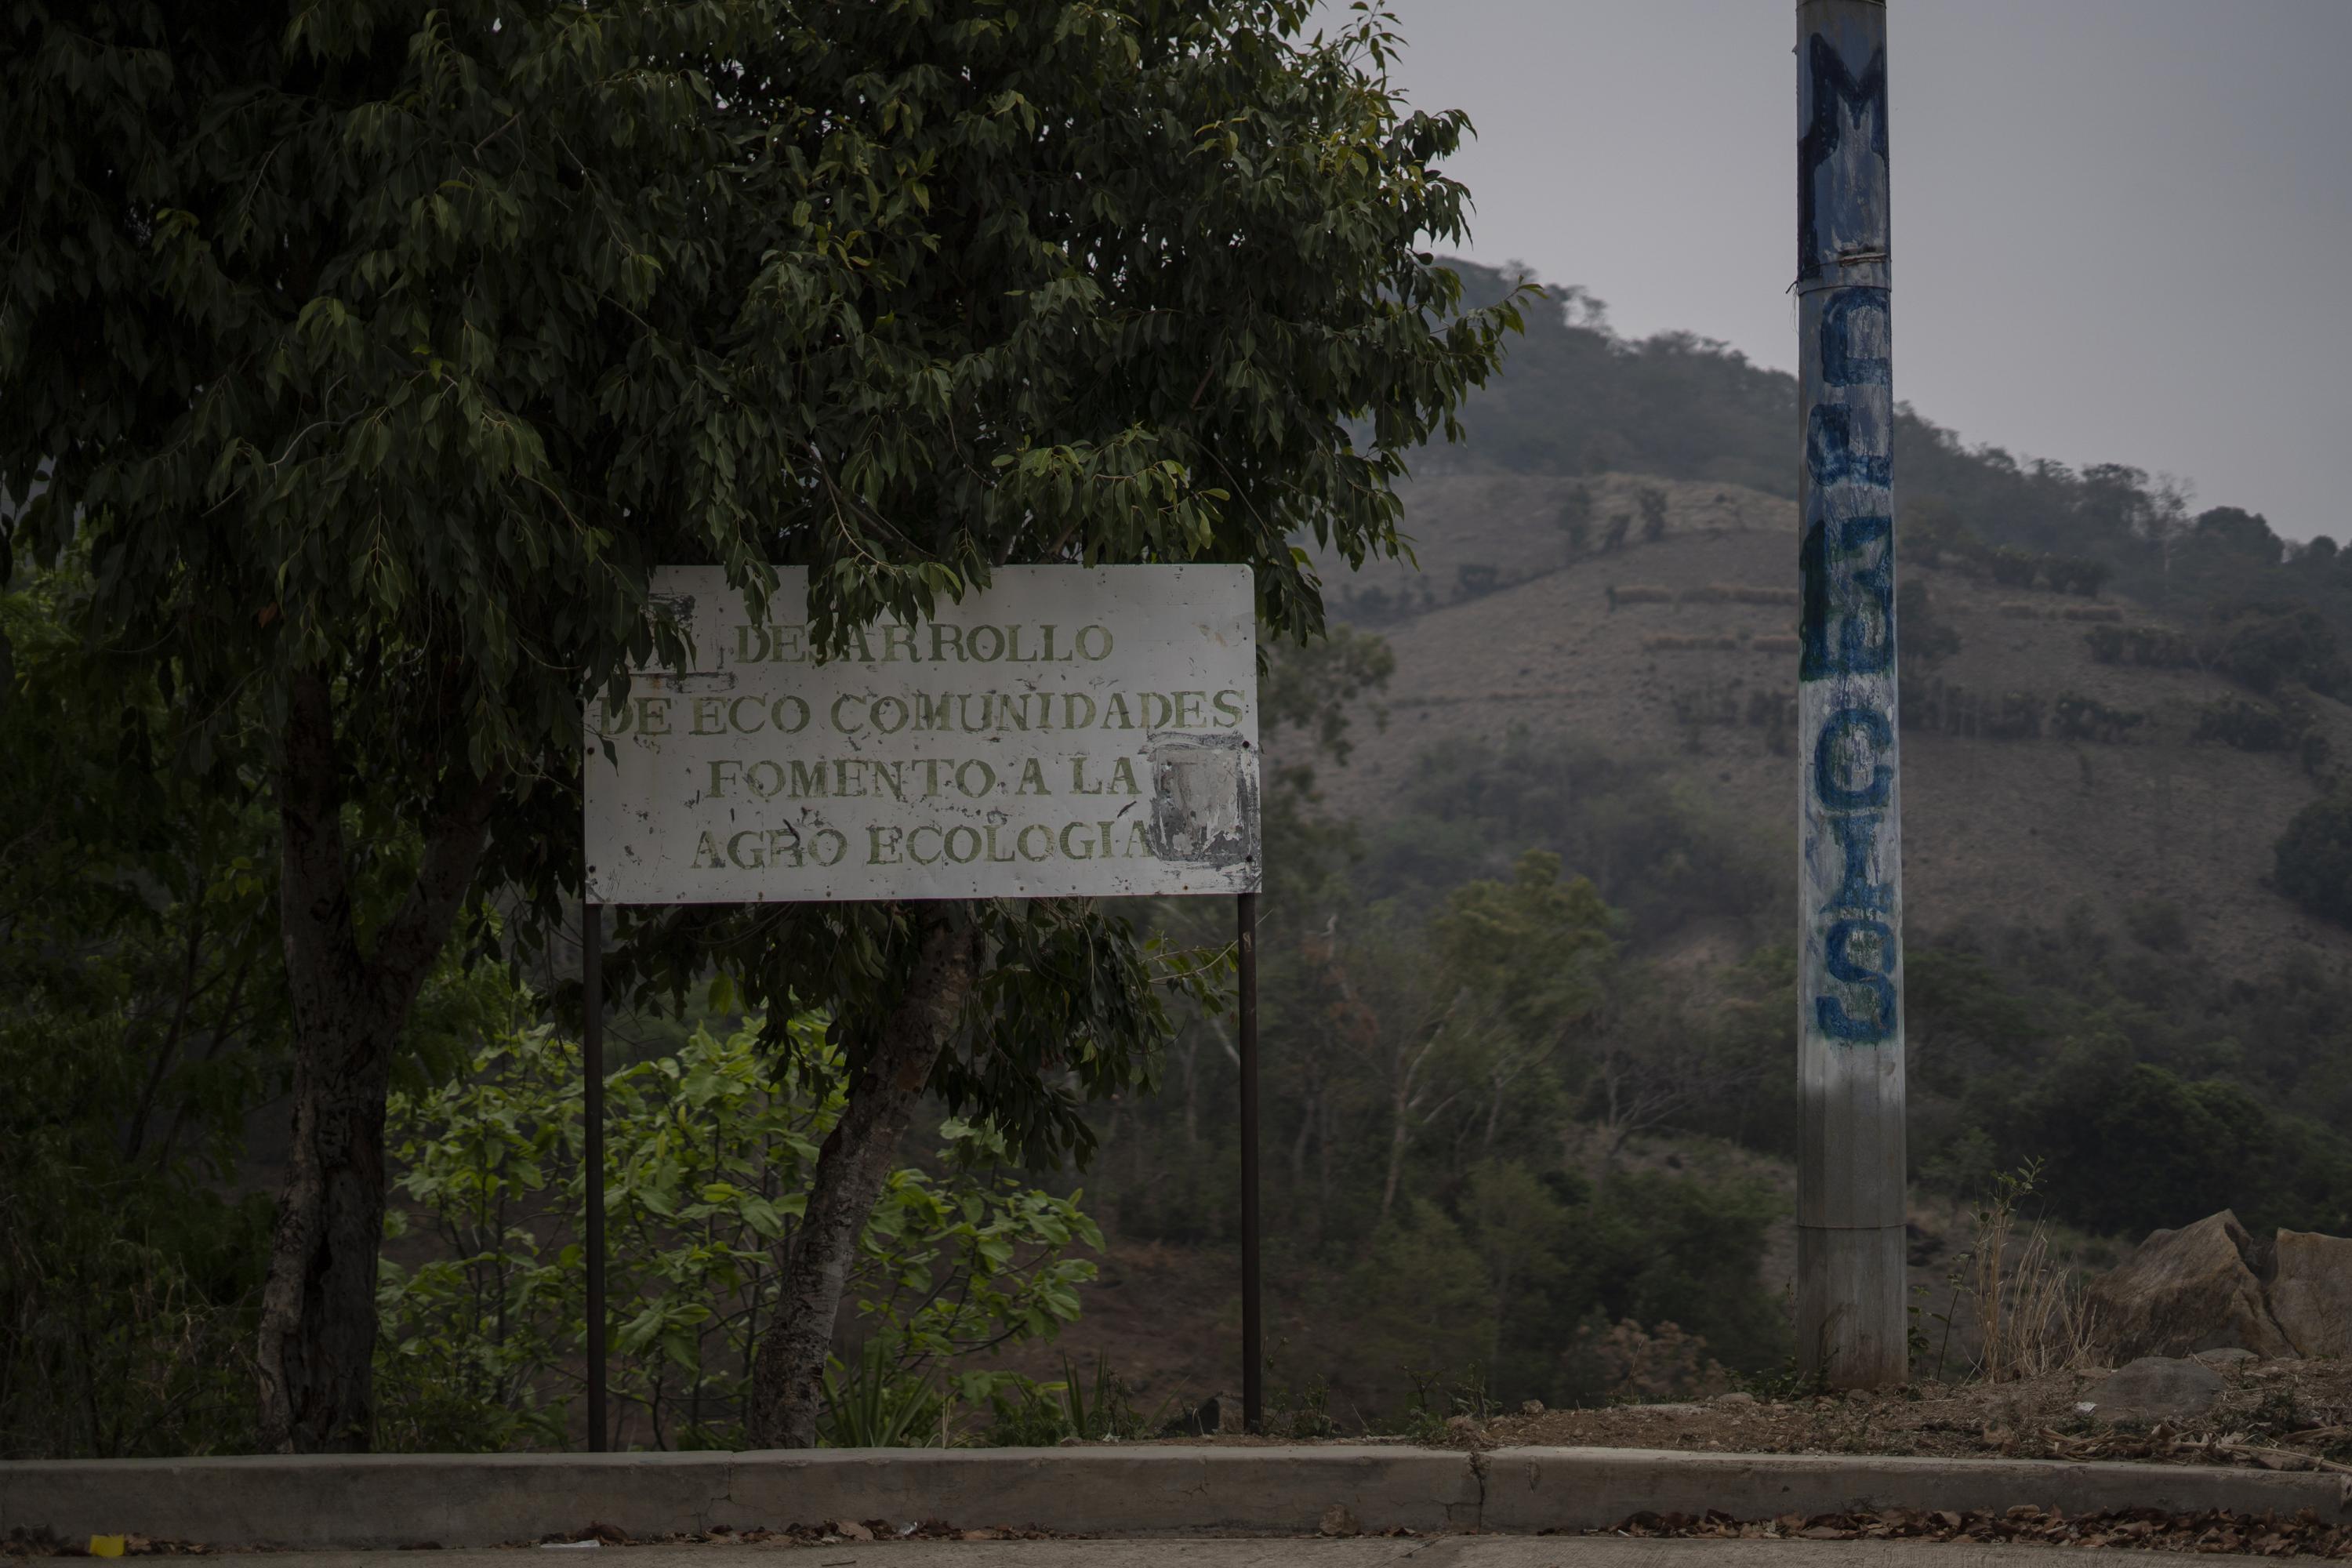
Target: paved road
[1432,1552]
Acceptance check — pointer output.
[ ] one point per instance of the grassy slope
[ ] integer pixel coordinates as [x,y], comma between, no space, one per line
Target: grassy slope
[1995,830]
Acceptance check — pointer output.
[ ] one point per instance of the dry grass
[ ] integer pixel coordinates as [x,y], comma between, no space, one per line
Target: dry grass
[1736,593]
[2029,1307]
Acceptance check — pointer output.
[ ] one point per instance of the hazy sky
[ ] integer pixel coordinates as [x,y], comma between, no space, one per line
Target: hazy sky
[2122,228]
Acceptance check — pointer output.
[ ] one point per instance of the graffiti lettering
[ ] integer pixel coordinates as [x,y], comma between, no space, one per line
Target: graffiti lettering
[1845,966]
[1855,340]
[1839,98]
[1829,777]
[1865,642]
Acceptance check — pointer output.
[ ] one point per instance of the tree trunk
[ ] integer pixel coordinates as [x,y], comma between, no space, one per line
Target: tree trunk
[1400,1137]
[787,1371]
[317,1347]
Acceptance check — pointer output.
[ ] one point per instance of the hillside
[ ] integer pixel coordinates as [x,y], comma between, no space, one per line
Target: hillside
[1997,830]
[1492,1159]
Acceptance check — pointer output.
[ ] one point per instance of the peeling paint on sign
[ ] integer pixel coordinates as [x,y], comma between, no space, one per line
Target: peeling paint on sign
[1071,732]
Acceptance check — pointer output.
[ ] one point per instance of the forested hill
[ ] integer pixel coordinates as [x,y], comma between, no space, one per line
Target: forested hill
[1575,398]
[1621,508]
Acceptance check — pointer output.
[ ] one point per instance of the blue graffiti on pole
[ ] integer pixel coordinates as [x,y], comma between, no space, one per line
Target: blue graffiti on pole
[1846,613]
[1838,97]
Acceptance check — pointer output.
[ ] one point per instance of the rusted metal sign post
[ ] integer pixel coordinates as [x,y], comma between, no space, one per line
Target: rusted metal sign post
[1070,732]
[1850,1173]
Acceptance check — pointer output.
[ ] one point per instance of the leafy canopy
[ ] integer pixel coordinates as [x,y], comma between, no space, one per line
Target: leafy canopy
[425,332]
[392,346]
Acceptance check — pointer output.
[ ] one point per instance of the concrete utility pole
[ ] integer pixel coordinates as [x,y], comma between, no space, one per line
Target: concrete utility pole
[1849,1176]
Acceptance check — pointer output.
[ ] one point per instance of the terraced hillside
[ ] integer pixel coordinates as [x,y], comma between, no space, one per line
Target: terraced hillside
[2037,778]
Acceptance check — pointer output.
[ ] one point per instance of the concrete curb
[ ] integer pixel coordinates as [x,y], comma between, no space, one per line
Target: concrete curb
[465,1501]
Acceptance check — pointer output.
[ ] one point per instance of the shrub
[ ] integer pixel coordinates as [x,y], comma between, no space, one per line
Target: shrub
[2019,717]
[2075,717]
[2160,648]
[1926,638]
[2158,923]
[2013,568]
[2106,642]
[1575,517]
[2313,857]
[1652,502]
[2078,574]
[2262,645]
[707,1151]
[2248,726]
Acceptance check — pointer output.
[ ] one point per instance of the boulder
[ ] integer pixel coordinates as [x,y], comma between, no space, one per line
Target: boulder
[2183,1291]
[2311,1293]
[2159,1388]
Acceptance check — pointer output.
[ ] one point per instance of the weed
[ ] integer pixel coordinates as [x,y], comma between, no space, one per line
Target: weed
[2030,1310]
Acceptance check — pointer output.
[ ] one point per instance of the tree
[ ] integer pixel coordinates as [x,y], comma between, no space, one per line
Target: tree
[429,332]
[417,325]
[1652,502]
[141,1022]
[1536,949]
[1574,518]
[2237,531]
[2314,857]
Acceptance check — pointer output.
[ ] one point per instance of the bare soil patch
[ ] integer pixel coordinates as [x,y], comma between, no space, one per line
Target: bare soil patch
[2277,1415]
[2146,1529]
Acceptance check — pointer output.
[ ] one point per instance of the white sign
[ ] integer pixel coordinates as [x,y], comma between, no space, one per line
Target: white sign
[1070,731]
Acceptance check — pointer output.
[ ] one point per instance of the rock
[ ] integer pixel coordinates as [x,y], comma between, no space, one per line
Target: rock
[2183,1291]
[850,1530]
[1338,1520]
[2230,1355]
[2311,1293]
[2157,1387]
[1531,1407]
[1735,1398]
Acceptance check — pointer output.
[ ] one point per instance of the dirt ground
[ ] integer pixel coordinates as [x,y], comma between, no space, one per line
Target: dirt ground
[2275,1415]
[2283,1414]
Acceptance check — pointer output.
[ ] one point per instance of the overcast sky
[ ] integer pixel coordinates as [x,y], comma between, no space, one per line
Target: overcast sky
[2122,228]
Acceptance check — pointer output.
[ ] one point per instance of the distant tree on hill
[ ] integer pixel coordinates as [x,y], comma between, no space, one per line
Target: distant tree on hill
[2314,857]
[1926,638]
[2078,574]
[2264,644]
[2241,532]
[1620,524]
[1652,502]
[1574,518]
[2014,568]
